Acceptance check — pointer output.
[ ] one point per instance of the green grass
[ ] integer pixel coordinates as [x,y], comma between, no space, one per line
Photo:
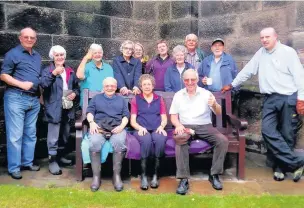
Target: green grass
[28,197]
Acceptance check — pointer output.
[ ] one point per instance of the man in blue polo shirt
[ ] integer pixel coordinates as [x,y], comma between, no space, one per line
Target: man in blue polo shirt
[92,70]
[21,73]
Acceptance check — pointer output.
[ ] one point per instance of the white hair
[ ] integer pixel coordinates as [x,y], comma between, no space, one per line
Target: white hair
[179,48]
[125,43]
[191,71]
[191,36]
[56,49]
[109,79]
[96,47]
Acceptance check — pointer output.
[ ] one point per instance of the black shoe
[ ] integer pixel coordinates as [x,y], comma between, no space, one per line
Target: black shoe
[298,174]
[215,181]
[183,187]
[278,174]
[31,168]
[16,175]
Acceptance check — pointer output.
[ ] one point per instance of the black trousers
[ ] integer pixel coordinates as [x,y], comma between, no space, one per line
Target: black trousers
[280,123]
[210,134]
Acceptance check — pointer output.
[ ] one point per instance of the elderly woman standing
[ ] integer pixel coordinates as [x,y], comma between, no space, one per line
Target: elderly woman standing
[173,76]
[148,117]
[139,53]
[92,70]
[127,69]
[59,85]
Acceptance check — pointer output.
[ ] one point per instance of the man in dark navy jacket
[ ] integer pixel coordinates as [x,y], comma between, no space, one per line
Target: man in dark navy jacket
[21,72]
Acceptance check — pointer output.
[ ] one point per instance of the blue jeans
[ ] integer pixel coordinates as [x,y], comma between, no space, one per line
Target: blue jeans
[21,113]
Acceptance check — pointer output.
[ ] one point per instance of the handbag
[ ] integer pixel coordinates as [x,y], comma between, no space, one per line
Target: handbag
[66,103]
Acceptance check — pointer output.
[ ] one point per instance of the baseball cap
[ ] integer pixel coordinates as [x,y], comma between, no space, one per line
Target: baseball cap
[218,40]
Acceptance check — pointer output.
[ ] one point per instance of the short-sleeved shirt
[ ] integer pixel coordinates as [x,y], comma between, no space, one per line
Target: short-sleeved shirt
[94,76]
[23,66]
[134,106]
[192,110]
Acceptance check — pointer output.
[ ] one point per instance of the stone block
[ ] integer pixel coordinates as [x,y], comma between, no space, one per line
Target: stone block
[243,48]
[2,18]
[164,11]
[145,31]
[42,19]
[211,8]
[144,10]
[275,4]
[43,45]
[7,42]
[300,14]
[121,28]
[76,47]
[254,23]
[297,40]
[87,25]
[73,64]
[219,26]
[181,9]
[110,47]
[174,42]
[178,29]
[116,8]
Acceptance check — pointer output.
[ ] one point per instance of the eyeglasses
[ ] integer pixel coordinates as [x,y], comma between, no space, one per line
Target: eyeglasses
[59,54]
[110,86]
[128,49]
[188,80]
[29,37]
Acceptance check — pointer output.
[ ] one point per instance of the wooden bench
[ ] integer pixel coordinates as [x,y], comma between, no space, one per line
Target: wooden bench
[228,124]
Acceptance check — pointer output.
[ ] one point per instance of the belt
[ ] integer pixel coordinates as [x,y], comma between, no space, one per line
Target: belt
[23,92]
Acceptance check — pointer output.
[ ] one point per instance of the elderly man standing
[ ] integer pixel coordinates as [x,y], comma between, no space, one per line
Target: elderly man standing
[194,55]
[219,68]
[281,81]
[107,115]
[21,72]
[191,115]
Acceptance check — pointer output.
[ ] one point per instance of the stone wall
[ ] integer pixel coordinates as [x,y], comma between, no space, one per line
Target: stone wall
[75,25]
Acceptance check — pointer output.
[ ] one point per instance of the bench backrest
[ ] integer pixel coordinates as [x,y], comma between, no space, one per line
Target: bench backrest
[219,121]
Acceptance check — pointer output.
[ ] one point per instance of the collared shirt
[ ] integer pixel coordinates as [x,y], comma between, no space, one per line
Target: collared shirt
[192,110]
[193,59]
[64,82]
[215,75]
[94,77]
[279,71]
[23,66]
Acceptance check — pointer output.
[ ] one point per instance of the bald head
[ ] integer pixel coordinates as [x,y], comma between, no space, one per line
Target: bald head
[27,30]
[268,37]
[28,38]
[190,74]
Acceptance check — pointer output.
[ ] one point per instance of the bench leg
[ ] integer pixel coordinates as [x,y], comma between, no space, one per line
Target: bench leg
[79,164]
[241,160]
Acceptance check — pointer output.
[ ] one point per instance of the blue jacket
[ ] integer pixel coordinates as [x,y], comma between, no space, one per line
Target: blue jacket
[228,70]
[52,93]
[121,74]
[173,79]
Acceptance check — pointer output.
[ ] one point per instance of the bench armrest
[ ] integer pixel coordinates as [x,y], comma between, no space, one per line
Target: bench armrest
[78,124]
[236,122]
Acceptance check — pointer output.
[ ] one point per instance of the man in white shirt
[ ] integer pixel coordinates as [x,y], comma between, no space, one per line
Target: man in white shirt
[191,115]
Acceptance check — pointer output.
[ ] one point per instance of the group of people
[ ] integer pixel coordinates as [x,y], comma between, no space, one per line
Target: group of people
[187,73]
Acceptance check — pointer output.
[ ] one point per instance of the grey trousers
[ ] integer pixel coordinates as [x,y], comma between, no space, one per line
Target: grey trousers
[118,141]
[207,133]
[55,132]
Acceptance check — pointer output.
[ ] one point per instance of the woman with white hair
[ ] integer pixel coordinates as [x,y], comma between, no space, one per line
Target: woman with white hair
[139,53]
[93,70]
[173,77]
[127,69]
[60,89]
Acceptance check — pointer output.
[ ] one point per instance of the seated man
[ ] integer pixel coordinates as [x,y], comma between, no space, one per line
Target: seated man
[191,115]
[107,115]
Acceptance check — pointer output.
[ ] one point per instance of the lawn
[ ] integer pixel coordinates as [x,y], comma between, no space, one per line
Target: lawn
[29,197]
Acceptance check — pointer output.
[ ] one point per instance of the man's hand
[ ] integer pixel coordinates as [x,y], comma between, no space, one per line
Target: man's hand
[300,107]
[58,70]
[226,88]
[89,55]
[212,101]
[93,128]
[142,131]
[204,81]
[71,96]
[160,130]
[117,129]
[124,91]
[136,91]
[179,130]
[26,85]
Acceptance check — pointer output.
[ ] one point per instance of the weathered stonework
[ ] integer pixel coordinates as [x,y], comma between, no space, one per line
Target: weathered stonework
[182,9]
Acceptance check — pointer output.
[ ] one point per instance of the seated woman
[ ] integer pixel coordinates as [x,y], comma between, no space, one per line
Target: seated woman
[139,54]
[127,69]
[148,117]
[107,115]
[158,65]
[60,89]
[173,76]
[92,70]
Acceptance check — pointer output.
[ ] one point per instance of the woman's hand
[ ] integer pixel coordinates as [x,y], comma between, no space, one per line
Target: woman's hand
[160,130]
[71,96]
[94,128]
[142,131]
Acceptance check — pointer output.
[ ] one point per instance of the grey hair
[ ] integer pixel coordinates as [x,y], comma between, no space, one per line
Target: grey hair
[191,71]
[179,48]
[125,43]
[189,35]
[109,79]
[56,49]
[96,47]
